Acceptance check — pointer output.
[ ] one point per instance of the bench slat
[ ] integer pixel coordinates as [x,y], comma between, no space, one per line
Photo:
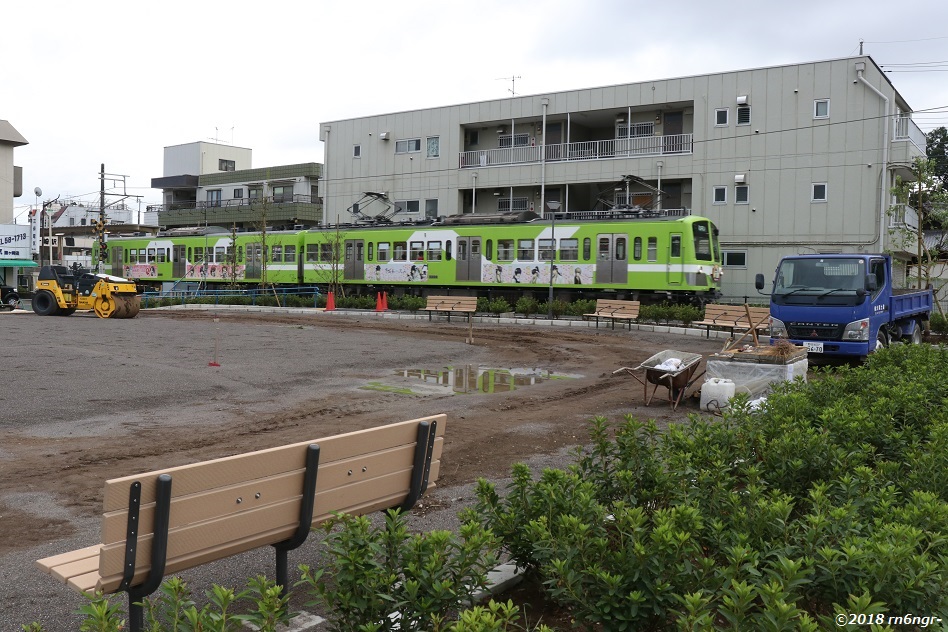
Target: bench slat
[451,304]
[197,477]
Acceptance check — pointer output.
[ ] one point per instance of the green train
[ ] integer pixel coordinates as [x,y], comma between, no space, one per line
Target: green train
[618,256]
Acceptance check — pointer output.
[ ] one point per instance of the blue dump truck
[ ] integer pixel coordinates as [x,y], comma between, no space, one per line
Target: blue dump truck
[844,305]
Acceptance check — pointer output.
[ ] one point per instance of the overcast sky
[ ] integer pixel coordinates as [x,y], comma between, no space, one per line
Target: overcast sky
[98,82]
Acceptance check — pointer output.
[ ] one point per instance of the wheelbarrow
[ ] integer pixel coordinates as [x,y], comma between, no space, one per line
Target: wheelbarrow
[662,370]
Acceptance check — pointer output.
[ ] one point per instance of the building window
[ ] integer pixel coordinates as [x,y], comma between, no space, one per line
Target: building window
[409,146]
[433,147]
[519,140]
[735,258]
[741,194]
[226,165]
[720,195]
[473,136]
[214,197]
[431,209]
[283,193]
[720,117]
[743,115]
[819,192]
[407,206]
[357,151]
[238,194]
[821,108]
[256,193]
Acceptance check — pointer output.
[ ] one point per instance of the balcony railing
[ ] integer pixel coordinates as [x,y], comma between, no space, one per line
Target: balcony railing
[906,129]
[237,203]
[633,147]
[903,216]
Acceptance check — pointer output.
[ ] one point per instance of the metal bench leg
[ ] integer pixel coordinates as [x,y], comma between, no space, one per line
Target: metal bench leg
[306,518]
[159,549]
[421,469]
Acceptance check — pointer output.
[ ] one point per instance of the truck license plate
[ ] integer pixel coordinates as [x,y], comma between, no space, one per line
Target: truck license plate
[814,347]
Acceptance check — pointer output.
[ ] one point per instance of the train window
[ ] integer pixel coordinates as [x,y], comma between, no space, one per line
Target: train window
[349,251]
[416,250]
[371,251]
[162,255]
[621,249]
[328,252]
[384,249]
[190,257]
[151,255]
[312,253]
[475,246]
[702,241]
[401,251]
[219,254]
[505,250]
[125,256]
[434,251]
[569,249]
[587,249]
[277,251]
[289,254]
[547,249]
[198,254]
[240,253]
[131,256]
[605,246]
[488,249]
[447,250]
[525,250]
[637,249]
[676,246]
[653,249]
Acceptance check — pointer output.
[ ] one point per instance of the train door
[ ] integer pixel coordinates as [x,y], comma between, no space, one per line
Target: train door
[612,258]
[354,262]
[179,261]
[469,259]
[676,270]
[118,258]
[253,260]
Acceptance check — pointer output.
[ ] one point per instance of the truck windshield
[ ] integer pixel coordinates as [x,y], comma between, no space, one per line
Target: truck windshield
[815,278]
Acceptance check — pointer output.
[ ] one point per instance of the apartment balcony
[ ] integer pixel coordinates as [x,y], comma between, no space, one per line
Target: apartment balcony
[243,212]
[628,147]
[906,129]
[903,216]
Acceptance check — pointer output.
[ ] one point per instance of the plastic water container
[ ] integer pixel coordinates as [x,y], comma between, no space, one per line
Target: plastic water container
[715,394]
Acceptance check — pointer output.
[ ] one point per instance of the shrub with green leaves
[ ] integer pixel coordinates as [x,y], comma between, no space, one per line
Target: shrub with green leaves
[580,306]
[527,305]
[834,495]
[496,306]
[372,572]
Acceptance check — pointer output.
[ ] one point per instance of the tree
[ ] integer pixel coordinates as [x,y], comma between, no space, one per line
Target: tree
[936,148]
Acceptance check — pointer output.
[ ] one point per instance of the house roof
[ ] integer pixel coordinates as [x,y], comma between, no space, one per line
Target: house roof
[10,136]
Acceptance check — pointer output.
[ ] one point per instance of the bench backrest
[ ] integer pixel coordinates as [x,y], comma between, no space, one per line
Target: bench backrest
[608,306]
[452,303]
[734,314]
[226,506]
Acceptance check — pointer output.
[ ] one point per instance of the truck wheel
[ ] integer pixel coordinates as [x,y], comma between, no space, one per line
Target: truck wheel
[882,340]
[917,334]
[44,303]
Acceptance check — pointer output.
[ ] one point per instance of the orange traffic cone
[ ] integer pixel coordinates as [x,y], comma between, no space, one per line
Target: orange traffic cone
[378,303]
[385,300]
[330,302]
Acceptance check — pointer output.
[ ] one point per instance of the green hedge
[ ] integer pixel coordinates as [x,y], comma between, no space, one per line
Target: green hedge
[833,498]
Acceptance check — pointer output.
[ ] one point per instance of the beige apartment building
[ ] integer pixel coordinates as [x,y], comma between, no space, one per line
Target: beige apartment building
[785,159]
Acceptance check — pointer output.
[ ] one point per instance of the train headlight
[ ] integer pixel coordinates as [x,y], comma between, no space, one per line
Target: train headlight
[857,330]
[777,328]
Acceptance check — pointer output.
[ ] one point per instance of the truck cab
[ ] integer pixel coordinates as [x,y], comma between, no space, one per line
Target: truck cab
[843,304]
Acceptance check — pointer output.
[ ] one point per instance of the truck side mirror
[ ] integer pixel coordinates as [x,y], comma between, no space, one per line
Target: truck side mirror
[871,284]
[759,281]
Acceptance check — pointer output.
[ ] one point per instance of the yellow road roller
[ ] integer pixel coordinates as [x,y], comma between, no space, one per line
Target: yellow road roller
[61,292]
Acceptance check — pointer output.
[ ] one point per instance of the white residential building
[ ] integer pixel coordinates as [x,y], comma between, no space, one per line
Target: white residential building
[785,159]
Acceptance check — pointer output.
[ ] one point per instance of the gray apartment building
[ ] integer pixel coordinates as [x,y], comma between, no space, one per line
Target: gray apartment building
[784,159]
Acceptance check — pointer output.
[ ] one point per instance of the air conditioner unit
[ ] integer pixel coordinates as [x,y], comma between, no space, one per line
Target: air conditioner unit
[384,135]
[739,178]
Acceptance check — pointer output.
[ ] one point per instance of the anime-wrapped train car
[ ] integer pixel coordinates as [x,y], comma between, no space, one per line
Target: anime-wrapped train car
[647,258]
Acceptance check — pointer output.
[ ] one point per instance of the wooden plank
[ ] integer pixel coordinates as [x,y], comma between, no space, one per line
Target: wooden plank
[223,501]
[196,477]
[85,583]
[84,566]
[64,558]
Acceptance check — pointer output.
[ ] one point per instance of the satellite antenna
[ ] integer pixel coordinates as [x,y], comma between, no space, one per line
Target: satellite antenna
[38,191]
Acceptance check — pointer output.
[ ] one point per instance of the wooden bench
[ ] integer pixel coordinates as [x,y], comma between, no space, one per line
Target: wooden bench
[614,310]
[166,521]
[453,305]
[733,317]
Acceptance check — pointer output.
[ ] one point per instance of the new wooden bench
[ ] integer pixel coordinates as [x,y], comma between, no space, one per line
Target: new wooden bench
[166,521]
[733,317]
[453,305]
[614,310]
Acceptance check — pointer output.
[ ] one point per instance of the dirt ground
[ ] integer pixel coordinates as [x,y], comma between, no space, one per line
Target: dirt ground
[84,400]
